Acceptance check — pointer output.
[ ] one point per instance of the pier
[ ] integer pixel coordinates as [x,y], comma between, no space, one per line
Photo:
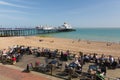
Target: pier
[6,32]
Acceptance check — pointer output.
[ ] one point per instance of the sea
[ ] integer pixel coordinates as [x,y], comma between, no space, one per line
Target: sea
[92,34]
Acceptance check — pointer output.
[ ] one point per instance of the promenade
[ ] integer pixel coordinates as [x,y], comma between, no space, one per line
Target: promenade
[9,72]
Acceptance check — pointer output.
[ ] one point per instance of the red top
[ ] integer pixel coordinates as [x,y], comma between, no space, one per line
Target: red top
[14,59]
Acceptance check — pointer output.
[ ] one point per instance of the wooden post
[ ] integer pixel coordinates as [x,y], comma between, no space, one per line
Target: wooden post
[70,74]
[0,33]
[51,66]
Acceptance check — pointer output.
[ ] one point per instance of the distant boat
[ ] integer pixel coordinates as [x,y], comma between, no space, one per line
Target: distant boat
[65,28]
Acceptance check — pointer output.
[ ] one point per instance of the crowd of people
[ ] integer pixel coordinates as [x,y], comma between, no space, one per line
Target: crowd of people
[13,54]
[102,62]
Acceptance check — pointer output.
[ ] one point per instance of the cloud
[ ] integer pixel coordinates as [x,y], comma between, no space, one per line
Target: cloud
[12,11]
[11,4]
[12,17]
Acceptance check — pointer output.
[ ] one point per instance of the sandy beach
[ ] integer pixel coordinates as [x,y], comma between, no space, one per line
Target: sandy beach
[63,44]
[74,46]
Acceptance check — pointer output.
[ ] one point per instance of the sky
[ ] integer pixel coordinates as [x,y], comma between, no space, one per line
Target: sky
[78,13]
